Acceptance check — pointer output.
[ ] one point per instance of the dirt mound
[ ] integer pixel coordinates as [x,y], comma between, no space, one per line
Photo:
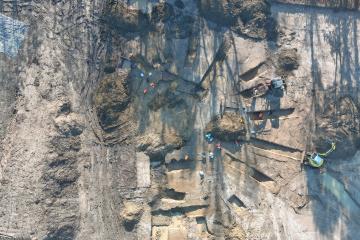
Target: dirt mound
[111,98]
[159,145]
[166,99]
[131,215]
[162,12]
[251,18]
[118,16]
[288,59]
[112,105]
[254,9]
[222,12]
[255,21]
[227,128]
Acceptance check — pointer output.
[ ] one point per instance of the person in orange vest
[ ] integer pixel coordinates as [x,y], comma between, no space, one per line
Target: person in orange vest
[261,115]
[145,90]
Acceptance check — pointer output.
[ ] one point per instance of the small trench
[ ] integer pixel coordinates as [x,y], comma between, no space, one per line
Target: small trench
[260,177]
[171,193]
[270,114]
[181,164]
[266,145]
[156,159]
[254,173]
[252,73]
[234,200]
[201,220]
[178,211]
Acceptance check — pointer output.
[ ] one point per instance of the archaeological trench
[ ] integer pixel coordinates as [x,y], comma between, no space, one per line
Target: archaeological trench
[106,107]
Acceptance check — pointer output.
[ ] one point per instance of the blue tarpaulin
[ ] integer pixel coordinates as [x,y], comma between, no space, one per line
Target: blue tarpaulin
[12,34]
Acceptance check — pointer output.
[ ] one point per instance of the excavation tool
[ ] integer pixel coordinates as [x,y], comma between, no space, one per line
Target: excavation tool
[317,160]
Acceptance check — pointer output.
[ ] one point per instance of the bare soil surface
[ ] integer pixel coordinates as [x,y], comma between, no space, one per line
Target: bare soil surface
[105,108]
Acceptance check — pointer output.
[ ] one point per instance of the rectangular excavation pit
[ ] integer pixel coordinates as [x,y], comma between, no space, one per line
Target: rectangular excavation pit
[181,164]
[200,220]
[178,211]
[234,200]
[266,145]
[172,194]
[254,173]
[259,176]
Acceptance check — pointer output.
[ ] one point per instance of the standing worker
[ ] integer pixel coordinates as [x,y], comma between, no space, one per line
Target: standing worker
[211,156]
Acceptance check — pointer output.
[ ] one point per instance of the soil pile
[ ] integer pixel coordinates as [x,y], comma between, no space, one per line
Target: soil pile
[119,17]
[131,215]
[254,20]
[165,99]
[222,12]
[155,145]
[162,12]
[111,101]
[229,127]
[288,60]
[251,18]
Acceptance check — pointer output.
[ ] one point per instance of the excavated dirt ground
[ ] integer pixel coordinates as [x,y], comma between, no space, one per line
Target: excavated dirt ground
[105,107]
